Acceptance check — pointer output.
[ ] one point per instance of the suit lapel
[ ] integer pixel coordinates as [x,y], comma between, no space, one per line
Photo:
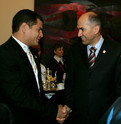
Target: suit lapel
[102,55]
[21,53]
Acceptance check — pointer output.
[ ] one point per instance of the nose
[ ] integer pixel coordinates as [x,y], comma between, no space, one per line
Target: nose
[41,33]
[80,33]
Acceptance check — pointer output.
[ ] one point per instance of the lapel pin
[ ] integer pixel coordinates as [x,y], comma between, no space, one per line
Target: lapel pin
[104,51]
[35,57]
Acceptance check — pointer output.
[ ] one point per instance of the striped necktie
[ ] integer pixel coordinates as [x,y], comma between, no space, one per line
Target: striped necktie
[32,61]
[33,64]
[92,57]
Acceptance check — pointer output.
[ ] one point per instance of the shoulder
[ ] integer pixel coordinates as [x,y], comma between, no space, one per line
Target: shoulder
[52,60]
[113,45]
[9,48]
[7,45]
[113,48]
[112,42]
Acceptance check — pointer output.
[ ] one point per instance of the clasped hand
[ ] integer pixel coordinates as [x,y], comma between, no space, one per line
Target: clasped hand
[63,113]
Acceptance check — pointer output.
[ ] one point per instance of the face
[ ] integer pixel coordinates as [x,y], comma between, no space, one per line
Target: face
[34,34]
[59,52]
[86,31]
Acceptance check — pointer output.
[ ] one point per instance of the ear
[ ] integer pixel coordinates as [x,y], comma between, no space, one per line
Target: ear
[24,27]
[55,51]
[96,29]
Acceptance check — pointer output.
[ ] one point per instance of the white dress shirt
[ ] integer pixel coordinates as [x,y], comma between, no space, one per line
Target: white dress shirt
[58,59]
[97,46]
[25,48]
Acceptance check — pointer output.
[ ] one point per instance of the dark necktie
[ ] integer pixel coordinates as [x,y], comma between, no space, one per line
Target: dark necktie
[60,63]
[92,57]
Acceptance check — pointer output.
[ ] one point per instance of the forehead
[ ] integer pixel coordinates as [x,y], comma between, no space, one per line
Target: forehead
[39,23]
[82,21]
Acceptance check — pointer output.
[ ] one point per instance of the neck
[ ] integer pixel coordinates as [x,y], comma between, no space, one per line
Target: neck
[97,38]
[18,36]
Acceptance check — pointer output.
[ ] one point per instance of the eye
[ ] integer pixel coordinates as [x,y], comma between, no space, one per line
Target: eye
[40,29]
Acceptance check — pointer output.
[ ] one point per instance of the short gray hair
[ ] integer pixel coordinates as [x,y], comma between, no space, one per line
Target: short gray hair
[94,19]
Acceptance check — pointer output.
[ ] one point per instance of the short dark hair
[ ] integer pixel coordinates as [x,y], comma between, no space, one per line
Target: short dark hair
[28,16]
[58,45]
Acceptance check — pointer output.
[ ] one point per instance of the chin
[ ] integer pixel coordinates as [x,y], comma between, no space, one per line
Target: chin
[37,43]
[34,45]
[84,42]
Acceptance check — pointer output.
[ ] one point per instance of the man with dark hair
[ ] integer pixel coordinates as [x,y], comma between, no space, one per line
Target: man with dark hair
[20,78]
[93,72]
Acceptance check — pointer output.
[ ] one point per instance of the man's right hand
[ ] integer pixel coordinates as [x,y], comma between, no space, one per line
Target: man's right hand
[63,113]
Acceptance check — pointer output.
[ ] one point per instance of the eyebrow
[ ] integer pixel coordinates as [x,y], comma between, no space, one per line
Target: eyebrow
[81,29]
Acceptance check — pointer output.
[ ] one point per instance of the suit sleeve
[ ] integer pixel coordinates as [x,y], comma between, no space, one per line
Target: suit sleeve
[69,80]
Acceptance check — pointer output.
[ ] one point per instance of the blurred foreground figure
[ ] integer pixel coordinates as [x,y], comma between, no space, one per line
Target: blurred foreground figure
[113,115]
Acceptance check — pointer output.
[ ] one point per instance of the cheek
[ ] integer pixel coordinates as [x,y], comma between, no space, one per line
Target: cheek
[61,53]
[87,34]
[34,33]
[58,53]
[31,34]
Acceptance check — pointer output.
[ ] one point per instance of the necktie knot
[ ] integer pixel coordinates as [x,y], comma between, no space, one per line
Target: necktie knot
[93,49]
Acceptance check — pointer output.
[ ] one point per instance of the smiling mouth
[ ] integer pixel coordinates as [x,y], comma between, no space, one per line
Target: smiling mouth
[83,39]
[38,39]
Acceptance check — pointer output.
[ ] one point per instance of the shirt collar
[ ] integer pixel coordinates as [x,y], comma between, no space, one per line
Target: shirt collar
[58,58]
[97,46]
[24,46]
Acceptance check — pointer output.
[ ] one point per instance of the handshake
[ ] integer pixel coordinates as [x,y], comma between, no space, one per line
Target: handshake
[63,113]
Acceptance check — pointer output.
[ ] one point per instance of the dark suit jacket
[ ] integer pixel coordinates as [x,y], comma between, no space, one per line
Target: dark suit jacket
[18,86]
[93,91]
